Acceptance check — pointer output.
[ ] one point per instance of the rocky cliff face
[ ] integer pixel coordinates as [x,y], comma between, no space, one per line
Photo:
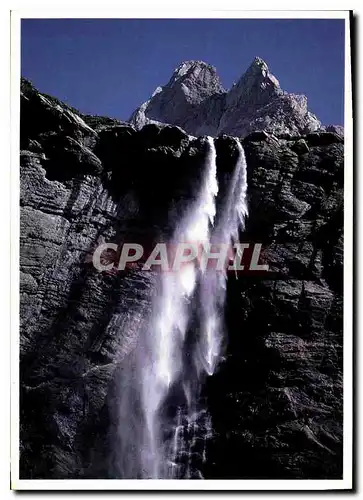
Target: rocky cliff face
[276,402]
[195,100]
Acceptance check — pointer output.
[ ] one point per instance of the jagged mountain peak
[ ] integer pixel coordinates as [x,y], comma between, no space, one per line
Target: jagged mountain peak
[192,65]
[259,69]
[258,64]
[195,100]
[197,74]
[256,86]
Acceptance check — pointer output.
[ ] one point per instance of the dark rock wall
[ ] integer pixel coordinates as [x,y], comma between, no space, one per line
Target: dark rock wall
[277,398]
[276,401]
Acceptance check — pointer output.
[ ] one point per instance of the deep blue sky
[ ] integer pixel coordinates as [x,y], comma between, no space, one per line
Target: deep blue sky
[111,66]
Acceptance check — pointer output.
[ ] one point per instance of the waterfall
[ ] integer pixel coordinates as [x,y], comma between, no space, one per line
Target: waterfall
[184,339]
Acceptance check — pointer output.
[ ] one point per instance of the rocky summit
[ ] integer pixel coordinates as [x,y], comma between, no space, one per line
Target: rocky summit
[195,100]
[275,402]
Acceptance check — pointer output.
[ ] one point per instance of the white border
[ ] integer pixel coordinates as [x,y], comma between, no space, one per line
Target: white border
[185,13]
[14,235]
[165,484]
[348,267]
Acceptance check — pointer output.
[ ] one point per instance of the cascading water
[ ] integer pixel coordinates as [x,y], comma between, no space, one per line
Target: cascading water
[183,342]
